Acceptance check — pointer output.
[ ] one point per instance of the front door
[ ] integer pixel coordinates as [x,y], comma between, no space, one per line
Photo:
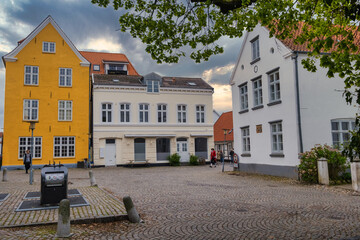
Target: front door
[182,149]
[110,152]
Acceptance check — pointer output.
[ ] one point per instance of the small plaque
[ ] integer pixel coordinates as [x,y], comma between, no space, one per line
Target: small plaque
[259,128]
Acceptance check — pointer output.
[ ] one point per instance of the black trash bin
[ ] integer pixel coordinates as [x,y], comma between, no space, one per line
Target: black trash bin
[54,181]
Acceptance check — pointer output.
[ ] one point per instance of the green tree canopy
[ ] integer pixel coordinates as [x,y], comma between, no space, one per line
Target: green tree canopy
[170,28]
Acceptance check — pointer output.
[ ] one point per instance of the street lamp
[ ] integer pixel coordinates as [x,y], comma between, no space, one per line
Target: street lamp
[32,128]
[223,162]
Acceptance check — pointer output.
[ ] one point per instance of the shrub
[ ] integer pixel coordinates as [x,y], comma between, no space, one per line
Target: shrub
[308,163]
[174,159]
[194,160]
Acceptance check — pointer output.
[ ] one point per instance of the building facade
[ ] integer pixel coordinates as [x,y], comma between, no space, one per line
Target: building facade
[47,82]
[223,133]
[280,109]
[149,118]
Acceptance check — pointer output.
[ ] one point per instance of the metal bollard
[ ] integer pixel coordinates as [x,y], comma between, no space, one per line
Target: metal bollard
[5,179]
[63,225]
[31,176]
[131,210]
[92,179]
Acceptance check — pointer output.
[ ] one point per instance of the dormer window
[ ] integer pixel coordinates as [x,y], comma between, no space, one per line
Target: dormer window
[96,67]
[152,85]
[48,47]
[120,69]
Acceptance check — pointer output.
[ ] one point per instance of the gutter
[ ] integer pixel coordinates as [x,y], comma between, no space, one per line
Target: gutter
[298,100]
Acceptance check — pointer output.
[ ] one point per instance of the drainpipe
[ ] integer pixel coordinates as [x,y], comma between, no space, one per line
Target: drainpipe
[298,101]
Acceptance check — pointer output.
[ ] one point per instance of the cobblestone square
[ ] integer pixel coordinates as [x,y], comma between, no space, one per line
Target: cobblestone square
[204,203]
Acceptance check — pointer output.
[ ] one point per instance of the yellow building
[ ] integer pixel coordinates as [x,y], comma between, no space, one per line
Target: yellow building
[47,81]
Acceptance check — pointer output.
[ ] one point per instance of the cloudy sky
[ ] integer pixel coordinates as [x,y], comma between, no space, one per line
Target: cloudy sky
[93,28]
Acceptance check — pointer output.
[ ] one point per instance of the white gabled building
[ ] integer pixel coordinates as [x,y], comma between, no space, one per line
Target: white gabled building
[280,109]
[148,118]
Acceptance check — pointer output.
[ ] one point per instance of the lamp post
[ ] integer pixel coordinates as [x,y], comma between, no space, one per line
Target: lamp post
[223,162]
[32,128]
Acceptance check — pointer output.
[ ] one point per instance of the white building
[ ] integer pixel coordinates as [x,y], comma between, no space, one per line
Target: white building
[148,118]
[280,109]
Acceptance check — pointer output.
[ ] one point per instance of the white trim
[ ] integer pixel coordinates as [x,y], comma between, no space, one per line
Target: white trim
[201,135]
[144,111]
[167,125]
[31,75]
[37,108]
[125,110]
[148,135]
[65,76]
[101,112]
[26,146]
[162,113]
[60,145]
[204,112]
[65,109]
[49,43]
[181,111]
[11,56]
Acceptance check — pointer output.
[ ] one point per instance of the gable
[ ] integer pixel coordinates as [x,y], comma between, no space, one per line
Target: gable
[12,56]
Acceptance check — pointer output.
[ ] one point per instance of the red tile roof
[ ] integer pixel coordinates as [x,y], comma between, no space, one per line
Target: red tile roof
[225,121]
[97,58]
[290,42]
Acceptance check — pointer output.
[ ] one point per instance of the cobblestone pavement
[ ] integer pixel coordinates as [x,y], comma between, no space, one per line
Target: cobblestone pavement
[204,203]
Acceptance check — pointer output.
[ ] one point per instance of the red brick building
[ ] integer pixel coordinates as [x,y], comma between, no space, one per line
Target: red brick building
[224,125]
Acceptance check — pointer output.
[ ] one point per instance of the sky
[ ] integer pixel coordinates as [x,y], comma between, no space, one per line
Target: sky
[92,28]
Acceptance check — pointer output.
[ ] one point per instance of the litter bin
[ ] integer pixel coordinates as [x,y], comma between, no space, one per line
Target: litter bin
[54,180]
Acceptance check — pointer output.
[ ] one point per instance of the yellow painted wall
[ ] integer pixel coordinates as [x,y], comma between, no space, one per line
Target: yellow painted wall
[48,93]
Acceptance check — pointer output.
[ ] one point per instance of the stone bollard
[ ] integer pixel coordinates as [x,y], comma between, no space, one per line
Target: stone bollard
[131,210]
[355,174]
[92,179]
[63,225]
[323,171]
[5,179]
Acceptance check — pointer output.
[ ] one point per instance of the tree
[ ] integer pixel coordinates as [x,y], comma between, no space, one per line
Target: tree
[170,28]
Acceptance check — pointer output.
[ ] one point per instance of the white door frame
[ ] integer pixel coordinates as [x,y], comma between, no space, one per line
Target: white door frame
[182,148]
[110,153]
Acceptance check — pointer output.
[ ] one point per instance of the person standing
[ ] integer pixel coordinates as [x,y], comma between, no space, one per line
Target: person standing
[212,157]
[232,156]
[27,160]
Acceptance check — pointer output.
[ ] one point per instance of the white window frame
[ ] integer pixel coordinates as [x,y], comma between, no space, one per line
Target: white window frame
[66,76]
[162,113]
[27,146]
[62,145]
[343,134]
[151,86]
[255,48]
[97,67]
[257,91]
[245,139]
[144,112]
[182,113]
[277,140]
[274,86]
[31,75]
[65,109]
[244,100]
[31,109]
[46,47]
[124,111]
[200,113]
[107,111]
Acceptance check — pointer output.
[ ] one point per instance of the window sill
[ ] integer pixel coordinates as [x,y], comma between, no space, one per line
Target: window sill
[278,155]
[274,103]
[257,107]
[244,111]
[245,155]
[65,86]
[31,85]
[255,61]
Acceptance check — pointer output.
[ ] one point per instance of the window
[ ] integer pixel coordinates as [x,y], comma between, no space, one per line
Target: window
[274,86]
[255,49]
[124,112]
[65,77]
[139,149]
[25,144]
[96,67]
[65,110]
[117,69]
[162,149]
[106,112]
[201,147]
[31,76]
[49,47]
[276,137]
[152,86]
[200,114]
[243,97]
[257,87]
[245,138]
[162,113]
[340,131]
[64,146]
[31,109]
[144,113]
[181,113]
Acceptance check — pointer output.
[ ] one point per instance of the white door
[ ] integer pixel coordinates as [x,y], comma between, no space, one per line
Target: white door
[182,150]
[110,152]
